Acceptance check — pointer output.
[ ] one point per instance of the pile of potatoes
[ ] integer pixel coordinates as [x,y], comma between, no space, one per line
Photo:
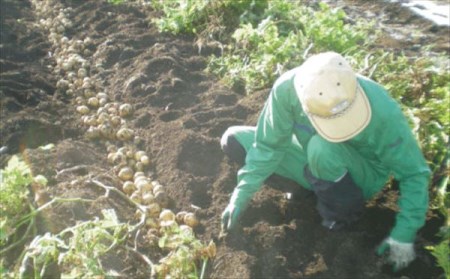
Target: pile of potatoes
[104,118]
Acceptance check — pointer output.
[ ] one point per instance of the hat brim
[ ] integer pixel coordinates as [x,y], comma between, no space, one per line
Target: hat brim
[347,125]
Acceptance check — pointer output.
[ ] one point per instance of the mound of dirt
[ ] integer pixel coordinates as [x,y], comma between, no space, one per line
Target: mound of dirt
[180,113]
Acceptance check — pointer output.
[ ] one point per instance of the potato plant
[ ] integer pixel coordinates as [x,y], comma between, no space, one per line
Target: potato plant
[15,179]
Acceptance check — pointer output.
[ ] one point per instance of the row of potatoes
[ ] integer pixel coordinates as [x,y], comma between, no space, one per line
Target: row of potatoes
[105,119]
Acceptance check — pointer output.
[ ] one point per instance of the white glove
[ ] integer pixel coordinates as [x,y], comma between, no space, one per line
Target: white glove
[400,254]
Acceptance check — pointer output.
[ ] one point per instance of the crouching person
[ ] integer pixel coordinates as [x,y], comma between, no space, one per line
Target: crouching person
[340,135]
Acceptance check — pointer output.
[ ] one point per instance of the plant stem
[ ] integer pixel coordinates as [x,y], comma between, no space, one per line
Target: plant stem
[205,262]
[21,240]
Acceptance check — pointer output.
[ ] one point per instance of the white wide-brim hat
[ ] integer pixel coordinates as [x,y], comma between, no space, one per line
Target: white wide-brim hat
[331,97]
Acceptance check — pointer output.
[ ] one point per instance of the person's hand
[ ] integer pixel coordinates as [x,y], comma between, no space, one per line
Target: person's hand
[230,217]
[400,254]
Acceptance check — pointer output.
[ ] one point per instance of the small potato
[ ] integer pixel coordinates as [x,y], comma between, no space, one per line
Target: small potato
[136,197]
[157,188]
[79,100]
[102,95]
[126,173]
[102,101]
[88,94]
[180,216]
[83,110]
[110,157]
[190,220]
[145,160]
[166,218]
[148,198]
[115,120]
[93,102]
[125,134]
[153,209]
[93,133]
[138,155]
[138,174]
[143,185]
[107,131]
[130,152]
[128,187]
[91,121]
[82,73]
[112,111]
[125,110]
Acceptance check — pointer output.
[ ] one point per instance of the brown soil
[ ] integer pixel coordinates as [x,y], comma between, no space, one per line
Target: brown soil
[180,114]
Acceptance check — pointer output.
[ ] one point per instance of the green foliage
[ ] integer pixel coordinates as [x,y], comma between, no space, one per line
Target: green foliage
[116,2]
[259,54]
[77,249]
[181,260]
[209,17]
[442,251]
[13,199]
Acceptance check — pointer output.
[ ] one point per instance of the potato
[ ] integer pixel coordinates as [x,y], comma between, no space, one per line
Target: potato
[83,110]
[147,198]
[93,102]
[138,155]
[136,197]
[143,185]
[126,173]
[125,110]
[145,160]
[93,133]
[125,134]
[128,187]
[115,120]
[157,188]
[180,216]
[138,174]
[166,218]
[190,220]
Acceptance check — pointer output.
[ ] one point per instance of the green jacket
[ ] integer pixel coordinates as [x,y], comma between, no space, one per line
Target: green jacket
[387,142]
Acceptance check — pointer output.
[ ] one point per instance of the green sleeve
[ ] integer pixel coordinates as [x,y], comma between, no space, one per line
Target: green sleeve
[399,151]
[272,138]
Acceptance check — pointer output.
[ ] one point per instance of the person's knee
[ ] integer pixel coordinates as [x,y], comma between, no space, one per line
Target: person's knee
[231,146]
